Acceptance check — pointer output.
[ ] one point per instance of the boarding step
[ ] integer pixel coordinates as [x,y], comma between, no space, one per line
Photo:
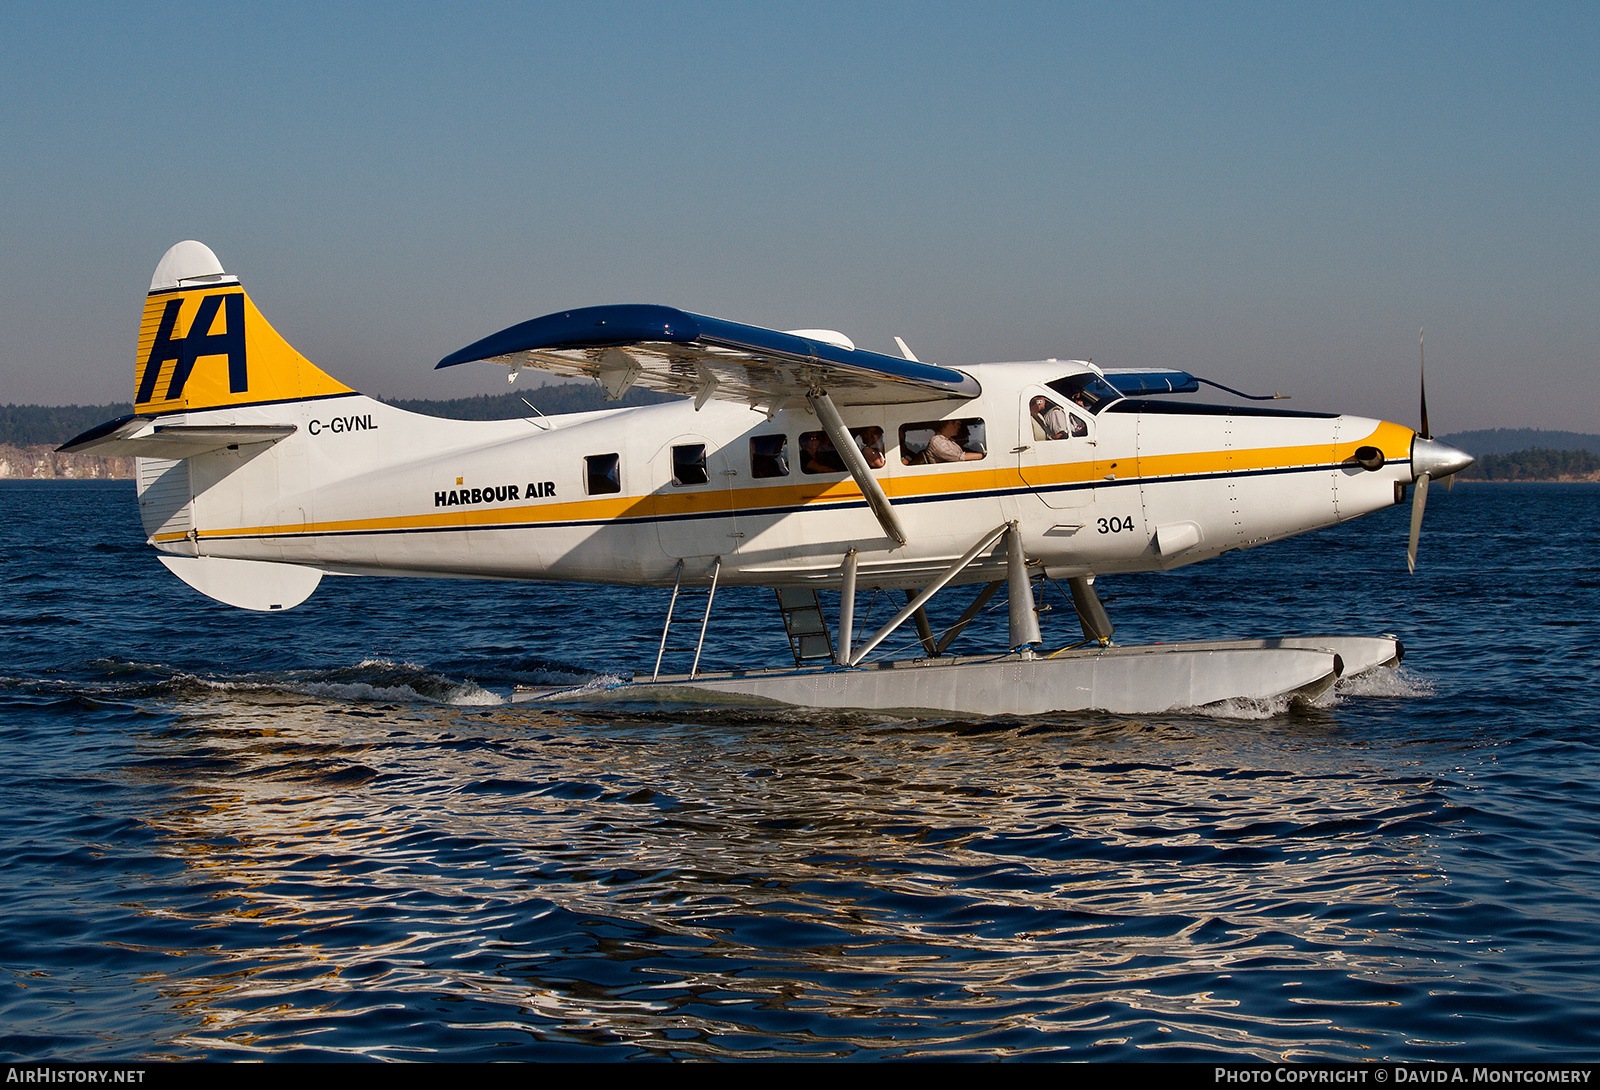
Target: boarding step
[809,638]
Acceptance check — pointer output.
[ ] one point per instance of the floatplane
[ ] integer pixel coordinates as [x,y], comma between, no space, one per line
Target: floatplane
[791,460]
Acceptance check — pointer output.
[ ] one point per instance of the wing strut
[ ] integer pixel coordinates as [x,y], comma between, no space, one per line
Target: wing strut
[833,424]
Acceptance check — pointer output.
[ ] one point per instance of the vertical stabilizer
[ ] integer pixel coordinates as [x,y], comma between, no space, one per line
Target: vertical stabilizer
[204,345]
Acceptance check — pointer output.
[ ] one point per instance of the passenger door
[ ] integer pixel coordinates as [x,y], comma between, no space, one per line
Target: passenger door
[695,497]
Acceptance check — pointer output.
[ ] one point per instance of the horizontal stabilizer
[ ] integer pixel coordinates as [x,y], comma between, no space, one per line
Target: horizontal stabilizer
[691,355]
[246,584]
[141,437]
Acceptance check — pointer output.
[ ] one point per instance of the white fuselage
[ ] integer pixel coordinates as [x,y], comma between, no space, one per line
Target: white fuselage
[365,488]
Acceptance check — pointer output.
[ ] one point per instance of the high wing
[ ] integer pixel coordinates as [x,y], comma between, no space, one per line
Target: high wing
[691,355]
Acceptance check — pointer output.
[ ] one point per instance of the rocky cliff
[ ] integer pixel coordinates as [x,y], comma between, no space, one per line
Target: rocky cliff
[42,462]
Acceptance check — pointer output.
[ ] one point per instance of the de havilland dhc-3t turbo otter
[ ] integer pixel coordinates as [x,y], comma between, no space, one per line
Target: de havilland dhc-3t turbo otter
[791,460]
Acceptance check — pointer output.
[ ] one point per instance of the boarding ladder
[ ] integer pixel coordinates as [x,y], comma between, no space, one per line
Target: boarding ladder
[809,638]
[705,619]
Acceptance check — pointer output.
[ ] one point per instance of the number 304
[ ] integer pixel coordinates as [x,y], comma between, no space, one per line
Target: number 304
[1116,525]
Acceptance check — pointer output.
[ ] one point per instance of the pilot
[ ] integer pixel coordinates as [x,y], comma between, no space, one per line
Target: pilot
[943,447]
[1049,419]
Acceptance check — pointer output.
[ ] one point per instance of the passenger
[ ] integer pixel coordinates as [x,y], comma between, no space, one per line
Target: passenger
[817,454]
[870,440]
[943,447]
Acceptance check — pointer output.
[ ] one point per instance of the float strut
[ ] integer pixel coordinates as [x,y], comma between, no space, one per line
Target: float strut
[924,629]
[1091,614]
[933,588]
[847,609]
[1019,592]
[677,580]
[966,616]
[716,570]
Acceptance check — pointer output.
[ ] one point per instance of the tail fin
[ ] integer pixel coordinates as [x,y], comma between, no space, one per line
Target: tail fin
[204,345]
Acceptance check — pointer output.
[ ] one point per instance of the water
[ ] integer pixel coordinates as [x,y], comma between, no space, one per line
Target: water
[324,834]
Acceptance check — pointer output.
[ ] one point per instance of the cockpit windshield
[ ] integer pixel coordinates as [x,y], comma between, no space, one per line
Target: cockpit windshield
[1089,391]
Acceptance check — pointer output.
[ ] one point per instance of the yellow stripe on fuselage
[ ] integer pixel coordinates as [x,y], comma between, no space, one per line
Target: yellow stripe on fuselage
[1387,437]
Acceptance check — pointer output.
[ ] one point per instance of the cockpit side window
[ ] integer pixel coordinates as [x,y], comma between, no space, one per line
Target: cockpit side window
[1050,421]
[1089,392]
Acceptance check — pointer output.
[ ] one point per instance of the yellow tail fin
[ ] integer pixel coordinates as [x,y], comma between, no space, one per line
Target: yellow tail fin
[204,345]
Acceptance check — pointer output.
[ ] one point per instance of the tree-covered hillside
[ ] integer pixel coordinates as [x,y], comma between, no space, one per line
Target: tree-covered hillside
[1534,465]
[32,425]
[1511,440]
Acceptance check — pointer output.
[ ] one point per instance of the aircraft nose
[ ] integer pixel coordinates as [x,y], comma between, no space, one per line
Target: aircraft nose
[1437,459]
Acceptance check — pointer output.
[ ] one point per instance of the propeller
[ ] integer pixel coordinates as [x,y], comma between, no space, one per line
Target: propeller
[1419,499]
[1429,458]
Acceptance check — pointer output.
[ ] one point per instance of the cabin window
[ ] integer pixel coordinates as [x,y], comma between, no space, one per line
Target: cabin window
[818,454]
[601,474]
[931,442]
[769,456]
[689,464]
[1089,392]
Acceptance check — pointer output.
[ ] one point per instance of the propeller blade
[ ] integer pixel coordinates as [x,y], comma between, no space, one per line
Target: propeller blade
[1422,377]
[1418,502]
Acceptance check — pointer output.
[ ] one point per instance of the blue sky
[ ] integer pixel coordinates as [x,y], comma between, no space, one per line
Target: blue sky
[1275,195]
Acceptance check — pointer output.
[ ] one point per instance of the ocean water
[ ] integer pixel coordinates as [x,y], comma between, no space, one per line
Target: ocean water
[326,834]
